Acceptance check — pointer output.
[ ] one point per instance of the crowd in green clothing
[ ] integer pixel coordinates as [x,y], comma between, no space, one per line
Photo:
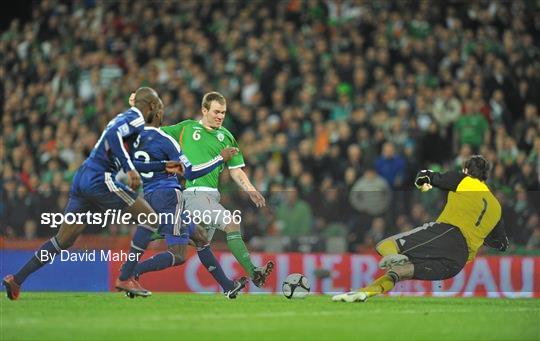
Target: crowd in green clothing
[321,97]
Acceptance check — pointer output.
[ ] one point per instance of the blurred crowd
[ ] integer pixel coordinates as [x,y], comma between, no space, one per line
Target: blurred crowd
[335,104]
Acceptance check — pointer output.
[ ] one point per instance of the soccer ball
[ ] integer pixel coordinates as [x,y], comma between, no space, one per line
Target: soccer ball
[295,286]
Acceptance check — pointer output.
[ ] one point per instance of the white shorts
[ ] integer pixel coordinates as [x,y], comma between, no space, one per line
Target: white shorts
[203,205]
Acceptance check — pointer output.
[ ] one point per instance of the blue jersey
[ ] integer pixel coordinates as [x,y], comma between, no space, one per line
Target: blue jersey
[94,186]
[111,153]
[153,148]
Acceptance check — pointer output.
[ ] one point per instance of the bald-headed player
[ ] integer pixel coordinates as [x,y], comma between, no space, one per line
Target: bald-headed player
[439,250]
[95,188]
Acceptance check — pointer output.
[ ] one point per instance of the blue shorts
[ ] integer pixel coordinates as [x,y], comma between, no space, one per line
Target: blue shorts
[93,190]
[169,204]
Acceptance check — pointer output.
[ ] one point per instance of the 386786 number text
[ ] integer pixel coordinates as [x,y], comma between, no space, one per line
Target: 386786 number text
[212,217]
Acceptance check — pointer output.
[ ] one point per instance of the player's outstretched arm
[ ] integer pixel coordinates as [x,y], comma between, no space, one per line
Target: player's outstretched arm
[193,172]
[448,181]
[175,167]
[242,180]
[150,166]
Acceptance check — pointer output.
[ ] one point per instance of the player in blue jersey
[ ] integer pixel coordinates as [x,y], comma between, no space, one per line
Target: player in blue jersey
[164,193]
[94,187]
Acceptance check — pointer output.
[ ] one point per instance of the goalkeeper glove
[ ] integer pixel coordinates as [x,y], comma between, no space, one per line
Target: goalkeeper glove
[423,177]
[497,244]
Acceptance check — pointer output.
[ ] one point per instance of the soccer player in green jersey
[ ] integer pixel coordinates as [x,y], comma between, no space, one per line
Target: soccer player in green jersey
[200,142]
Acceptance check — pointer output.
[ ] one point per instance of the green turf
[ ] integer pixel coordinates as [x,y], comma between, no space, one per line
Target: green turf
[70,316]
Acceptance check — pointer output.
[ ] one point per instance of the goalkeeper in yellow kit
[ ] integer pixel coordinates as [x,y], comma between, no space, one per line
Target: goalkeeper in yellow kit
[439,250]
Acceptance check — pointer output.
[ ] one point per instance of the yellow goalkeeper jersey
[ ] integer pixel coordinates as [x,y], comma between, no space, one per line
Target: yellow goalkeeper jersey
[474,210]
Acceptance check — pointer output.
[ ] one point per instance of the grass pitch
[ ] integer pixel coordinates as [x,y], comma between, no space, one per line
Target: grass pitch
[90,316]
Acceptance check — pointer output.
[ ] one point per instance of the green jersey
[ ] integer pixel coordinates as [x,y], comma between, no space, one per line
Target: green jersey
[201,145]
[471,129]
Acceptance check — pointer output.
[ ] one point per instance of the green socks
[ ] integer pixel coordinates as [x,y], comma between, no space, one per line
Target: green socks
[238,248]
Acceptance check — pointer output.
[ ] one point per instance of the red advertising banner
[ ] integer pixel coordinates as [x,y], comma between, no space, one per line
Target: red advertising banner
[511,276]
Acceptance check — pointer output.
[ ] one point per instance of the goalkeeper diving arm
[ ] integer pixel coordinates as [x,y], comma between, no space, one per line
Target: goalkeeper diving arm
[448,181]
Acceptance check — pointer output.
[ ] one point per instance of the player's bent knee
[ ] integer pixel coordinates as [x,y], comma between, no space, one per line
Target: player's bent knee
[403,272]
[179,254]
[386,247]
[199,237]
[200,243]
[179,260]
[232,228]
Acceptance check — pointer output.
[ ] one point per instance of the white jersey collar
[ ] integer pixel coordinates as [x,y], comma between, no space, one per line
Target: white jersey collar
[208,128]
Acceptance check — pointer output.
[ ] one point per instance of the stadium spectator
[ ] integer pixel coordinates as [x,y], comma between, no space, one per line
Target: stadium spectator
[370,194]
[305,89]
[391,166]
[446,107]
[472,127]
[294,215]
